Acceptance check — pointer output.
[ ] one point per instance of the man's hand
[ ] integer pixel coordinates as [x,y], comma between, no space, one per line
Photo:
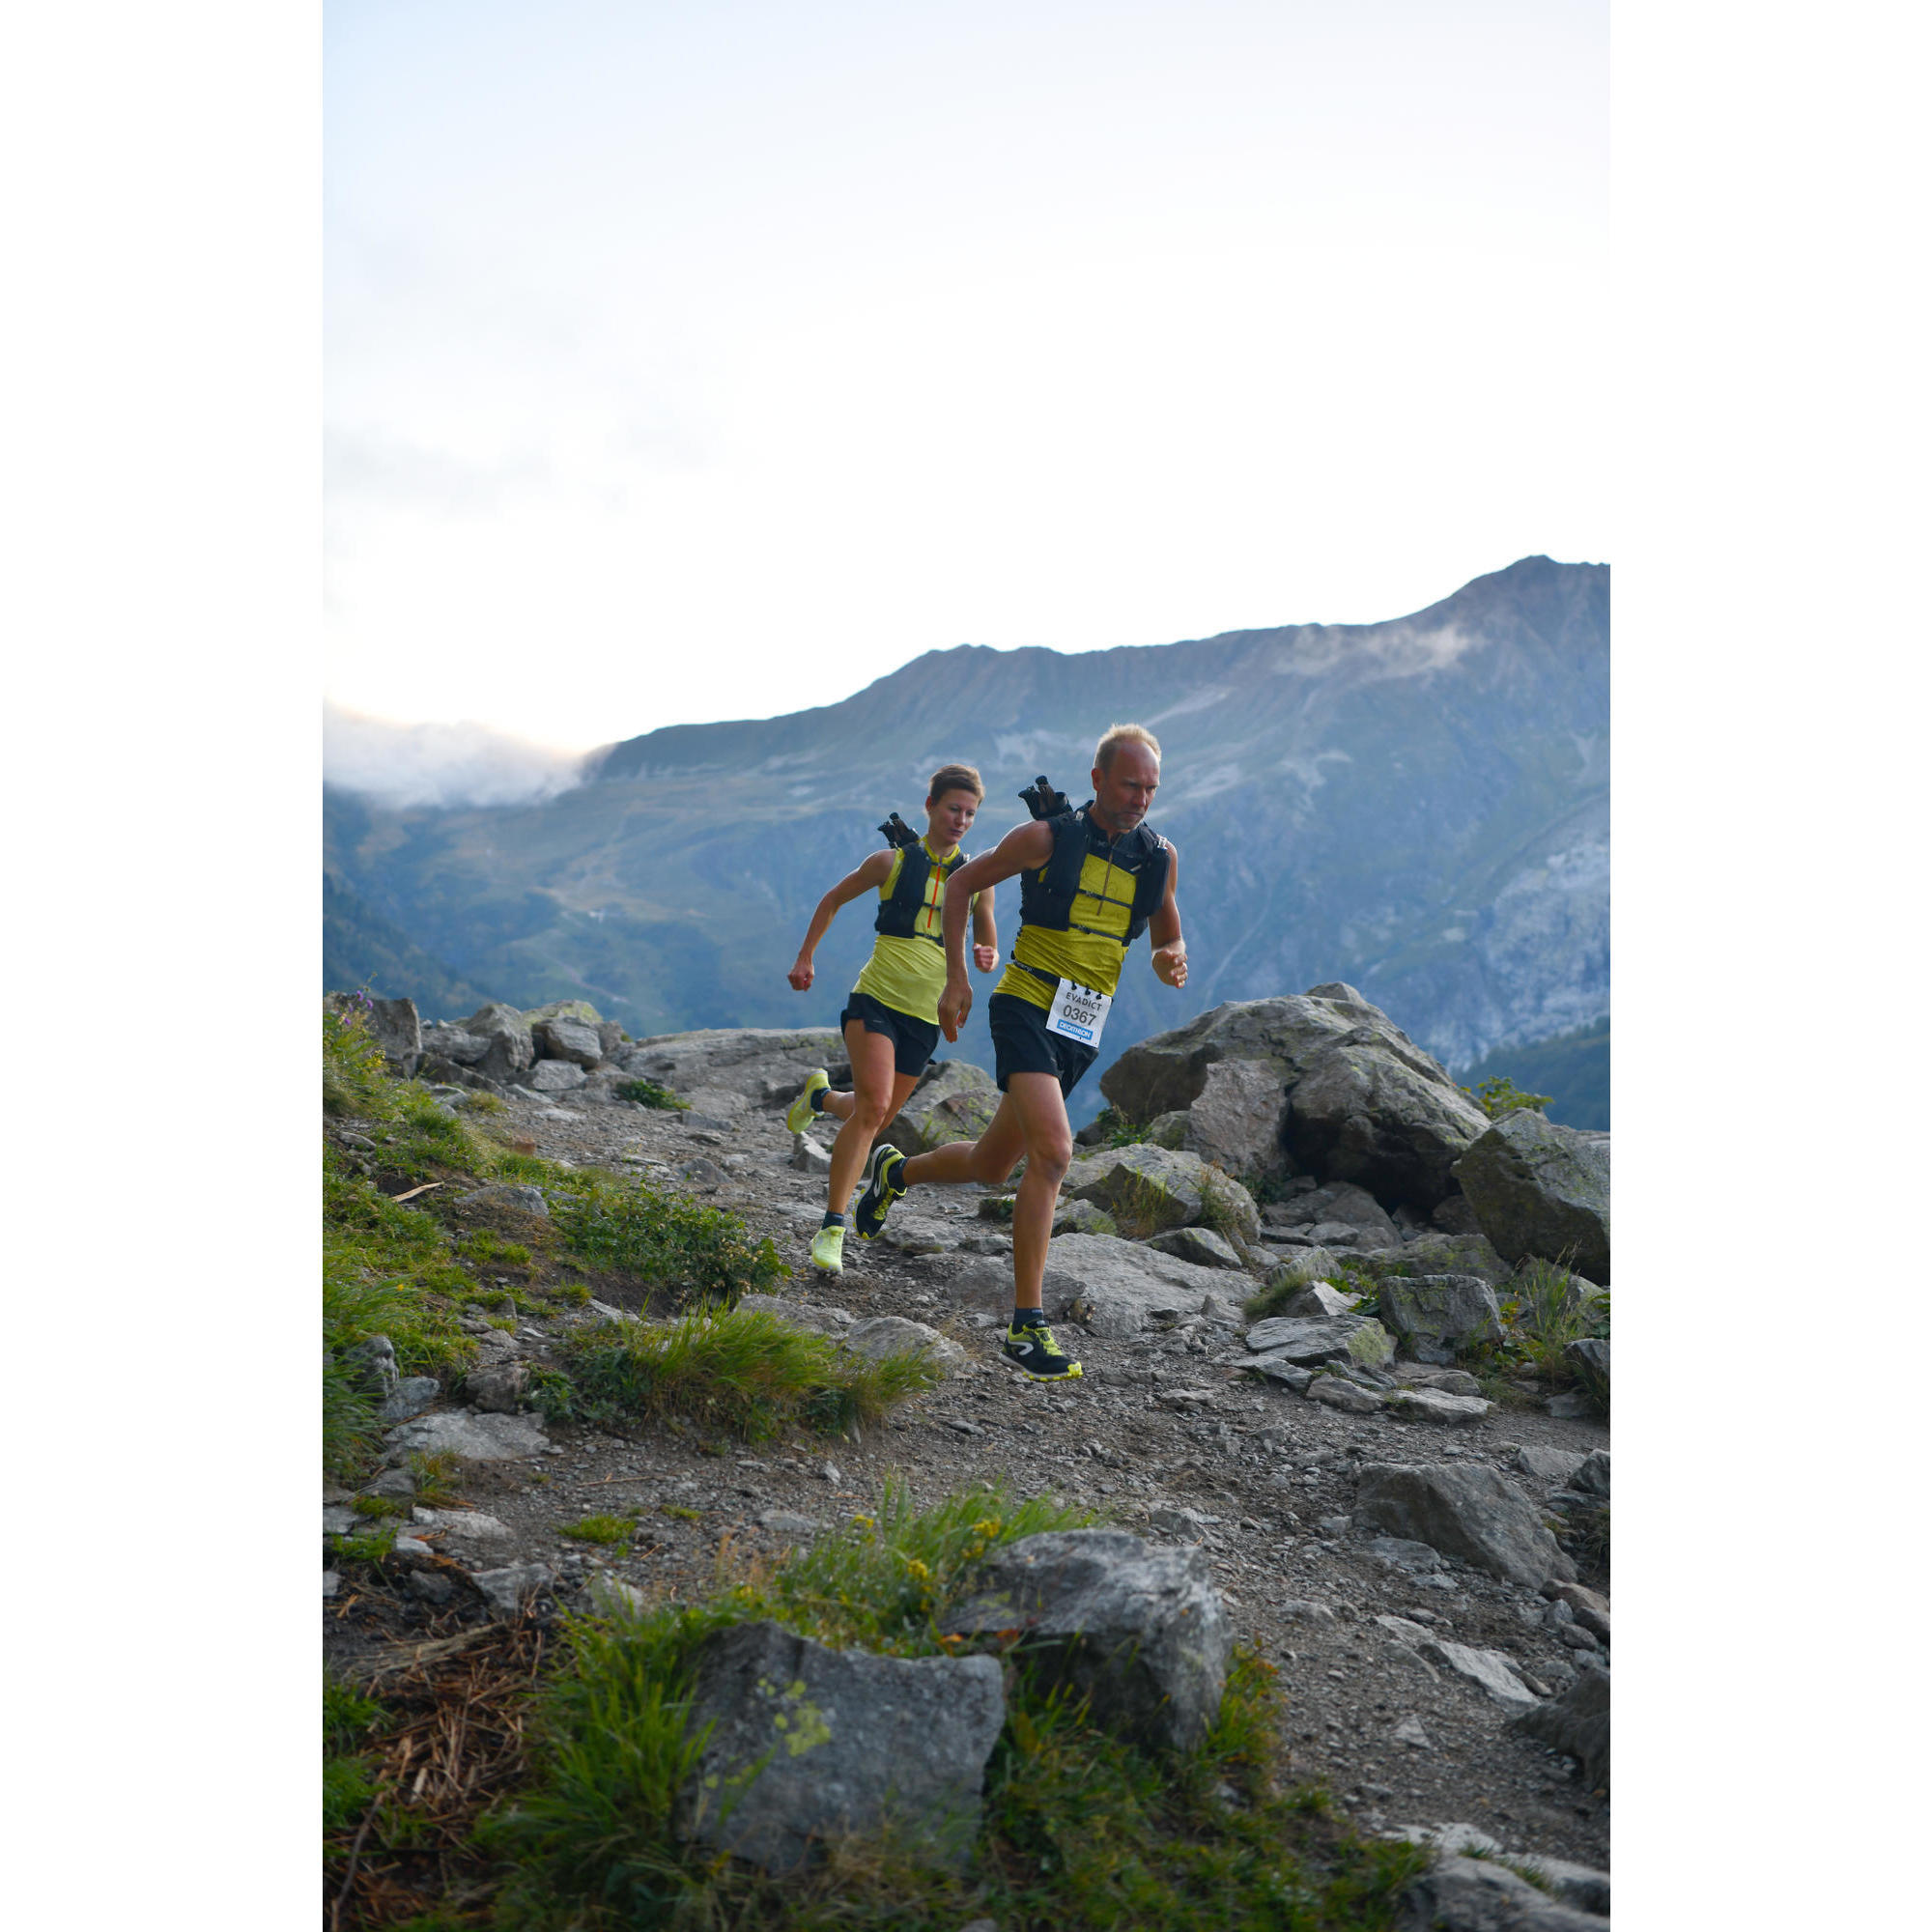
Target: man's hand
[985,958]
[800,974]
[954,1003]
[1170,963]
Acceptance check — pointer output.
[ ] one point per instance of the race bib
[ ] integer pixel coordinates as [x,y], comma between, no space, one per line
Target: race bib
[1078,1013]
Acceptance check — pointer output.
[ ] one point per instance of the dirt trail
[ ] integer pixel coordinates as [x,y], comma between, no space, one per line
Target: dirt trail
[1268,1473]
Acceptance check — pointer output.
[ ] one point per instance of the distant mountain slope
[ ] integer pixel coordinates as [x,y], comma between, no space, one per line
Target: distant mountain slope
[1420,807]
[360,947]
[1574,1070]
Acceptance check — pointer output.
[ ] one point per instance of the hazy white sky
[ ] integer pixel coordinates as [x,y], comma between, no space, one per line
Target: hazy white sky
[708,361]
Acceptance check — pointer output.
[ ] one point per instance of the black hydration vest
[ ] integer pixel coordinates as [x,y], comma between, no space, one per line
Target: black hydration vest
[1046,897]
[899,915]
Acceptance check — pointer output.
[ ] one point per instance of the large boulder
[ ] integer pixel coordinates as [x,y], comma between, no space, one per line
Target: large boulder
[1150,1189]
[454,1044]
[1197,1244]
[568,1039]
[1542,1189]
[955,1101]
[1577,1725]
[475,1438]
[1137,1629]
[511,1050]
[801,1744]
[730,1070]
[1464,1511]
[1333,1338]
[554,1076]
[1364,1102]
[394,1025]
[878,1336]
[1111,1288]
[1236,1120]
[1459,1894]
[1438,1315]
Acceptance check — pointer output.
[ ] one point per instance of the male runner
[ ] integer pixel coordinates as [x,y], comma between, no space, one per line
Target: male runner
[1090,880]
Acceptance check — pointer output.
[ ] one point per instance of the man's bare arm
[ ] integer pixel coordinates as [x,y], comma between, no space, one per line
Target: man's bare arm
[1170,948]
[1024,848]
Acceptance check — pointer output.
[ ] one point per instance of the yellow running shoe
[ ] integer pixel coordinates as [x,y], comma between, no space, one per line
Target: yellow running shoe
[1031,1349]
[828,1250]
[800,1116]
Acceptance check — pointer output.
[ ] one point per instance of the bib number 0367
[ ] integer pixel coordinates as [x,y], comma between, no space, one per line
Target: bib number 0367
[1078,1013]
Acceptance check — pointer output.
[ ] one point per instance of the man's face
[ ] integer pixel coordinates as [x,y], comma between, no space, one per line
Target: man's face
[1123,791]
[949,816]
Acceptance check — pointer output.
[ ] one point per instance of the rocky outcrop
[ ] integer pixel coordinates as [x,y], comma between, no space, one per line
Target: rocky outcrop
[509,1049]
[1148,1190]
[1579,1725]
[1437,1315]
[1335,1338]
[574,1040]
[802,1745]
[1340,1216]
[1138,1630]
[1542,1189]
[1463,1510]
[730,1070]
[1363,1102]
[955,1101]
[392,1024]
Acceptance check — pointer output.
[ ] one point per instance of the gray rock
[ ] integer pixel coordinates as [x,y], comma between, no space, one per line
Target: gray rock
[704,1176]
[815,1744]
[1572,1406]
[1365,1103]
[432,1586]
[567,1039]
[729,1070]
[1334,1391]
[1439,1254]
[1577,1725]
[1139,1630]
[1409,1732]
[1111,1288]
[809,1156]
[1317,1302]
[453,1045]
[786,1522]
[511,1050]
[1397,1552]
[1551,1466]
[1342,1208]
[522,1196]
[476,1438]
[955,1101]
[390,1483]
[1593,1474]
[1437,1314]
[1236,1120]
[1334,1338]
[371,1365]
[1202,1245]
[411,1395]
[1082,1217]
[462,1525]
[1150,1189]
[331,1582]
[613,1597]
[1448,1381]
[582,1011]
[394,1025]
[1463,1510]
[1589,1610]
[496,1389]
[1427,1405]
[603,1311]
[338,1519]
[883,1335]
[554,1076]
[1279,1369]
[1305,1611]
[1542,1189]
[1490,1670]
[1460,1895]
[1581,1886]
[833,1322]
[1589,1360]
[918,1235]
[508,1589]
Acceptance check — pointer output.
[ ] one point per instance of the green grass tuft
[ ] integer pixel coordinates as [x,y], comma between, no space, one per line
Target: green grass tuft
[690,1252]
[648,1094]
[601,1529]
[740,1371]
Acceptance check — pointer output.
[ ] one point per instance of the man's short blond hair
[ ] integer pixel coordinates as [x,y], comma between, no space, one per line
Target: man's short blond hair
[1123,734]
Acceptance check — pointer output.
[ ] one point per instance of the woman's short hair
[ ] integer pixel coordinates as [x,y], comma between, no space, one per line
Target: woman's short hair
[954,778]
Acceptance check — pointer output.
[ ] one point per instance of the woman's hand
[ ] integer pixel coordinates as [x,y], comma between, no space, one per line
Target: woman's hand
[985,958]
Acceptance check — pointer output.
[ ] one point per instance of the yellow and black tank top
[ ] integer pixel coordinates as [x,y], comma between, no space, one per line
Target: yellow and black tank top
[1083,908]
[907,969]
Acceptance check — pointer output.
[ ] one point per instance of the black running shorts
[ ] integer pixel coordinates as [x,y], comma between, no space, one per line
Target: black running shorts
[913,1041]
[1022,1045]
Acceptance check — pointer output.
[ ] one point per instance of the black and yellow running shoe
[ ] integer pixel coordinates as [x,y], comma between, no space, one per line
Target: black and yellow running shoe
[1031,1349]
[883,1186]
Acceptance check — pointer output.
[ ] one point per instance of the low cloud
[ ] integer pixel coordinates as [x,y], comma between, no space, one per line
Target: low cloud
[440,764]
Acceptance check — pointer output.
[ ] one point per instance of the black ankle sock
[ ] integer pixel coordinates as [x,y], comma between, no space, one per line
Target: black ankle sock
[818,1102]
[1029,1318]
[833,1221]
